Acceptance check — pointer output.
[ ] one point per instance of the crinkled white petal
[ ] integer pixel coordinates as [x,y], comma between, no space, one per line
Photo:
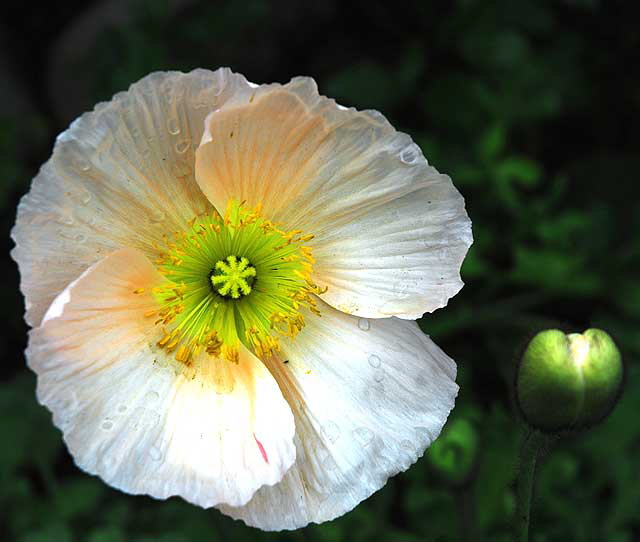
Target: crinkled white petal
[121,175]
[390,231]
[368,397]
[211,433]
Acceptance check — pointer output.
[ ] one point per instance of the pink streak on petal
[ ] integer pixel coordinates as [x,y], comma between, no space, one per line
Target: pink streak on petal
[262,450]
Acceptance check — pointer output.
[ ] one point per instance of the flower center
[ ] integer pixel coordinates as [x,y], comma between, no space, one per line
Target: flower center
[232,277]
[230,280]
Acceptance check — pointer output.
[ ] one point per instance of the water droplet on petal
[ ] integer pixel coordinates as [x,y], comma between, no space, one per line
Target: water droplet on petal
[145,418]
[408,156]
[155,453]
[408,446]
[151,397]
[374,360]
[182,146]
[157,216]
[329,463]
[364,324]
[363,435]
[70,403]
[82,164]
[80,238]
[108,462]
[173,127]
[331,431]
[386,465]
[223,383]
[421,432]
[376,115]
[122,408]
[378,376]
[107,425]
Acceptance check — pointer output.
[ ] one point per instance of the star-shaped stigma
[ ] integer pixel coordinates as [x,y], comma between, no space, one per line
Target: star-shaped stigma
[233,278]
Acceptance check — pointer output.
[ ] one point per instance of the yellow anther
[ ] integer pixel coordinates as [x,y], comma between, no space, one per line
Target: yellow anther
[212,265]
[182,353]
[173,344]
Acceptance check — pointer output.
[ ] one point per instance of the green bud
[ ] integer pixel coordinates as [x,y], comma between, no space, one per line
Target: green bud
[453,455]
[568,381]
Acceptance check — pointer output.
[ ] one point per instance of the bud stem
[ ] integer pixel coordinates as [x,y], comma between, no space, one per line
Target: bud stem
[532,444]
[466,504]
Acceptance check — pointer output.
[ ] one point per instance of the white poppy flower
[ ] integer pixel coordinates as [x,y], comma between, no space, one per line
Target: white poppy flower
[221,280]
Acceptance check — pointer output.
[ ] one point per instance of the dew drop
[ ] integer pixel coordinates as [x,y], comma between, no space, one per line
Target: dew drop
[155,453]
[80,238]
[67,220]
[109,462]
[107,425]
[70,404]
[182,146]
[363,435]
[386,465]
[122,408]
[374,360]
[157,216]
[408,156]
[421,432]
[145,418]
[83,165]
[331,431]
[151,397]
[63,233]
[223,383]
[173,127]
[376,115]
[329,463]
[408,446]
[364,324]
[378,376]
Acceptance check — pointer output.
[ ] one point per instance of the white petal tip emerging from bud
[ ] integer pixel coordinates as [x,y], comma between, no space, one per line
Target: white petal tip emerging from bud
[568,382]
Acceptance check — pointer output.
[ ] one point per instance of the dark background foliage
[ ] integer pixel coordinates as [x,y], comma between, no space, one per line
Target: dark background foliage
[531,106]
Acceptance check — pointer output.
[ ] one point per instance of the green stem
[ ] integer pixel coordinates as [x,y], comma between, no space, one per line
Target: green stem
[466,505]
[529,452]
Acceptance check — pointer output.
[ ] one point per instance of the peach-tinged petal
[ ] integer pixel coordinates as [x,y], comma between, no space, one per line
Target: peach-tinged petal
[121,175]
[390,231]
[262,152]
[409,261]
[211,433]
[368,397]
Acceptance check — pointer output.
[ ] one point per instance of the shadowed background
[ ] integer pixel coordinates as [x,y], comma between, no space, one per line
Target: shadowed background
[532,108]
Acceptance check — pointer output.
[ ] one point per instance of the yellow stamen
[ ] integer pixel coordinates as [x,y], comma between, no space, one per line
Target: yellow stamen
[234,279]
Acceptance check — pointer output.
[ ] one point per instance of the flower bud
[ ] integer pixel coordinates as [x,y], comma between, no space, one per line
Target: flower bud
[568,381]
[453,455]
